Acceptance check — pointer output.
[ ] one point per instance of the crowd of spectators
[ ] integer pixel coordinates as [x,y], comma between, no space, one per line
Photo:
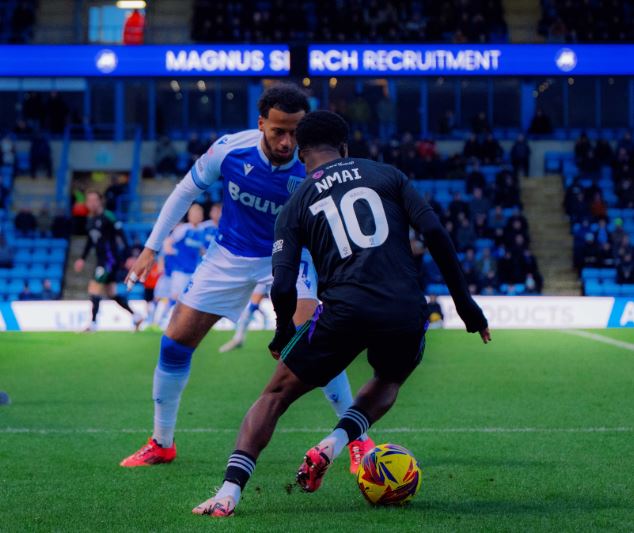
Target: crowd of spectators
[587,20]
[17,21]
[600,242]
[264,21]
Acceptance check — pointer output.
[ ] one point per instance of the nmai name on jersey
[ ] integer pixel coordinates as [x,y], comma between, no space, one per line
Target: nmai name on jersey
[337,177]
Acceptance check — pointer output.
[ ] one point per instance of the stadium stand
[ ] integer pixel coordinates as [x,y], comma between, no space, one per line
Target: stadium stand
[600,204]
[604,21]
[457,21]
[17,20]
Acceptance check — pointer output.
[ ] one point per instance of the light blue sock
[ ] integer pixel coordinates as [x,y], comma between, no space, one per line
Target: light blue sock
[170,378]
[339,395]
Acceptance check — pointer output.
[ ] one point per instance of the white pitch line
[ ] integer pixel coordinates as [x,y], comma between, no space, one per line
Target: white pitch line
[599,338]
[89,431]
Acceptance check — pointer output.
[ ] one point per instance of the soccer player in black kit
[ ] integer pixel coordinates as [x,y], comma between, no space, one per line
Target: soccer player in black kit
[354,216]
[105,235]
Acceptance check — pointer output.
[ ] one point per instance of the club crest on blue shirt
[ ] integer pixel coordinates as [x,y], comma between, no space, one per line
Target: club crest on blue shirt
[293,183]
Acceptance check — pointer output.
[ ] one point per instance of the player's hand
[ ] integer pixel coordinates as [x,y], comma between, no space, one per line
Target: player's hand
[79,265]
[485,334]
[282,337]
[141,268]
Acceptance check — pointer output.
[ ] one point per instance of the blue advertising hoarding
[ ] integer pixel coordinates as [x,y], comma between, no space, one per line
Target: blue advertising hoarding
[470,60]
[139,61]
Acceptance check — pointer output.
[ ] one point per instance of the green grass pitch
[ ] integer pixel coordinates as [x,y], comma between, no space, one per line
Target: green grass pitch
[508,436]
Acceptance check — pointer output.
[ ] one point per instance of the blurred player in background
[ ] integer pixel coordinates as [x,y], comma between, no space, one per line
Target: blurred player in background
[260,292]
[149,287]
[186,244]
[354,217]
[260,170]
[105,235]
[209,227]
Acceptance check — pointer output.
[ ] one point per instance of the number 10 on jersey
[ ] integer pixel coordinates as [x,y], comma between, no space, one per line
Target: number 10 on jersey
[348,220]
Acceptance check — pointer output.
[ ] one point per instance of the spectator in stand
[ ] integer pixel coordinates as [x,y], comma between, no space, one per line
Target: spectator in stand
[487,262]
[603,152]
[625,270]
[583,147]
[479,204]
[475,178]
[47,291]
[606,256]
[26,294]
[489,286]
[195,148]
[472,148]
[360,113]
[621,165]
[457,206]
[598,207]
[6,254]
[541,124]
[374,152]
[531,270]
[625,192]
[491,151]
[481,226]
[625,248]
[626,143]
[512,231]
[591,251]
[465,236]
[32,111]
[25,223]
[165,157]
[530,285]
[40,156]
[22,23]
[507,193]
[520,156]
[602,233]
[618,233]
[412,165]
[436,316]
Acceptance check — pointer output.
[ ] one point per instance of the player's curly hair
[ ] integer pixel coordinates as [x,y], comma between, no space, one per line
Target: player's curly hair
[321,128]
[285,97]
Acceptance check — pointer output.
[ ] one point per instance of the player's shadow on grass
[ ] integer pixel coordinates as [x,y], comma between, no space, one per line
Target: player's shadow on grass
[554,505]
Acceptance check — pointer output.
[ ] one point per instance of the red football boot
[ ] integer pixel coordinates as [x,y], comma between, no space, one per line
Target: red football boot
[357,449]
[222,508]
[151,454]
[312,470]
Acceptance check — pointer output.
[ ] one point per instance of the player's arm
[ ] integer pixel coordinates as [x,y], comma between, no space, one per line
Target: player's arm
[79,264]
[425,221]
[287,254]
[206,170]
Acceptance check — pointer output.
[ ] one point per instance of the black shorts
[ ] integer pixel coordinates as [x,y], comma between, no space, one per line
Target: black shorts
[317,353]
[104,274]
[148,294]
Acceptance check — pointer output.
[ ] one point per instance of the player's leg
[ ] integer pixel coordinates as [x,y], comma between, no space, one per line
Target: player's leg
[337,391]
[187,327]
[311,358]
[255,433]
[394,357]
[95,292]
[219,287]
[259,293]
[122,301]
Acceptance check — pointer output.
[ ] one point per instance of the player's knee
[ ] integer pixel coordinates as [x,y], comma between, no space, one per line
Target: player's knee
[174,358]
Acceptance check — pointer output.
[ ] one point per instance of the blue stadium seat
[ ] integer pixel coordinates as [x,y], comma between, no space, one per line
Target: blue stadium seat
[15,286]
[593,288]
[5,273]
[24,243]
[437,288]
[38,271]
[591,273]
[3,286]
[40,256]
[56,286]
[481,244]
[19,272]
[54,271]
[35,285]
[627,290]
[57,255]
[610,288]
[57,243]
[23,256]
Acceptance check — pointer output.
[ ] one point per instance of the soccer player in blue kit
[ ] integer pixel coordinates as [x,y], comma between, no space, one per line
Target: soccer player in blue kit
[261,169]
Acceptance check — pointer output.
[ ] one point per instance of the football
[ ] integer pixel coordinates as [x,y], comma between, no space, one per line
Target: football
[389,475]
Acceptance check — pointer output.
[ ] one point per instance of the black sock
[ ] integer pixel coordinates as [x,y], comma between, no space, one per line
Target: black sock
[355,422]
[95,306]
[123,302]
[240,467]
